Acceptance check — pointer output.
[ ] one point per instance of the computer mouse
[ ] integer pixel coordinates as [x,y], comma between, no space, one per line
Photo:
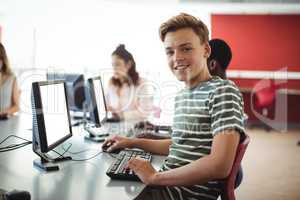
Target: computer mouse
[107,145]
[144,125]
[17,195]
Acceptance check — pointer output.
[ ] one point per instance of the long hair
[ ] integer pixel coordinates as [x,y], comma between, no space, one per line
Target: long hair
[132,74]
[5,69]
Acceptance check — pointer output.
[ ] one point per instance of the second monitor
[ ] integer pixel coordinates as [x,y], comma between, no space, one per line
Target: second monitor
[98,111]
[75,89]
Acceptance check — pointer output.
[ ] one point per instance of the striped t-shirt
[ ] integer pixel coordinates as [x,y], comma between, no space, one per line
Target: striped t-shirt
[200,114]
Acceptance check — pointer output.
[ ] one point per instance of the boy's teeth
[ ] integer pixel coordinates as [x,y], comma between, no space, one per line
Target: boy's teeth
[181,67]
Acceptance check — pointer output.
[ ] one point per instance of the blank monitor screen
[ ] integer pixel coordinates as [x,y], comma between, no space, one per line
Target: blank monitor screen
[99,99]
[98,112]
[54,105]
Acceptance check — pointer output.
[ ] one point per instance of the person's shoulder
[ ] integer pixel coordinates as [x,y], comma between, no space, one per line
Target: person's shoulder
[144,83]
[222,86]
[13,76]
[10,77]
[143,80]
[217,82]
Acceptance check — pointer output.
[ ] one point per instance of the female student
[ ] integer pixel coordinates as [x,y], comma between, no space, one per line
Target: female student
[9,92]
[128,96]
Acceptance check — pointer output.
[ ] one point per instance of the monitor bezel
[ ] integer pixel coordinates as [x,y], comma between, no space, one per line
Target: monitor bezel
[42,138]
[94,112]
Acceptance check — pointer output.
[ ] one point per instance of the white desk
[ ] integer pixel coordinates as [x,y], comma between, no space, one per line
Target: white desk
[75,180]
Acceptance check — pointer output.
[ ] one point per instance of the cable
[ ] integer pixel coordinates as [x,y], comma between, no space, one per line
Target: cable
[62,155]
[67,150]
[112,155]
[13,146]
[88,158]
[20,145]
[15,137]
[78,152]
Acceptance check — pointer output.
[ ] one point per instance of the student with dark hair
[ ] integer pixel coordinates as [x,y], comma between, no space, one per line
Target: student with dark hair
[217,63]
[219,58]
[207,123]
[9,91]
[127,95]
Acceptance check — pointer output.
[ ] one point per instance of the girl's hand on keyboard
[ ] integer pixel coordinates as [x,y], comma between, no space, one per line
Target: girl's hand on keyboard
[143,169]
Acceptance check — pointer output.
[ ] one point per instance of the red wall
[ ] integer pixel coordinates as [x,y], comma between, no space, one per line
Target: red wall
[250,83]
[260,42]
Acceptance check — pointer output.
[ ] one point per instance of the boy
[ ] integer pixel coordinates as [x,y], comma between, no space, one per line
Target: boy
[207,124]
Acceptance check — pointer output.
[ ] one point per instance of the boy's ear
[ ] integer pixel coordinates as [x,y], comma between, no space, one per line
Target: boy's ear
[207,50]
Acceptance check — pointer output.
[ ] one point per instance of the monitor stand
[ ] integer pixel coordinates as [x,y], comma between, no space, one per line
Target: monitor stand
[47,164]
[95,134]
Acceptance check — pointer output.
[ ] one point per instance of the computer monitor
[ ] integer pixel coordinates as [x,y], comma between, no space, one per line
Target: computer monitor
[51,121]
[75,89]
[98,109]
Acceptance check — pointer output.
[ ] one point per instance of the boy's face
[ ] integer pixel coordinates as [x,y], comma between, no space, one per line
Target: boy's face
[186,56]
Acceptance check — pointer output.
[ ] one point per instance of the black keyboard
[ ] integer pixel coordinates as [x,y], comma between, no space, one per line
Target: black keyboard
[117,169]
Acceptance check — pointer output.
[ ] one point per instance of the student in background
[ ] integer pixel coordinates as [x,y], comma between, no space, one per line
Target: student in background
[219,58]
[127,96]
[217,63]
[207,123]
[9,91]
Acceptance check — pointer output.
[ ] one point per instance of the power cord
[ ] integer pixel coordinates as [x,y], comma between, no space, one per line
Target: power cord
[78,152]
[82,151]
[12,147]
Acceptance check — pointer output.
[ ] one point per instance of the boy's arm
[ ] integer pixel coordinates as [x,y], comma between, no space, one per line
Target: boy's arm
[216,165]
[154,146]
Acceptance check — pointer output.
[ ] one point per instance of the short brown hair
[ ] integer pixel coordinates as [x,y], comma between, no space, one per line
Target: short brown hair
[184,20]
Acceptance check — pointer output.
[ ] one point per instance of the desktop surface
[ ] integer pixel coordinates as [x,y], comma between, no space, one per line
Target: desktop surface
[74,180]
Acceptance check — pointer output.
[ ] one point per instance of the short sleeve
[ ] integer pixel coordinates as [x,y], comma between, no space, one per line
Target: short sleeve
[226,109]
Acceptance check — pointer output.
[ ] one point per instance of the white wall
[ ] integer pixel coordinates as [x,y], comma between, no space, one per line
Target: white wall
[80,35]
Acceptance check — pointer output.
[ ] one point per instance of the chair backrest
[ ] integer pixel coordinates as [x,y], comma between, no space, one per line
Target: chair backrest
[228,184]
[265,96]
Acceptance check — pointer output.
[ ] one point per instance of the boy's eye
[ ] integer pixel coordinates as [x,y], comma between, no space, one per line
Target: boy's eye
[169,52]
[187,49]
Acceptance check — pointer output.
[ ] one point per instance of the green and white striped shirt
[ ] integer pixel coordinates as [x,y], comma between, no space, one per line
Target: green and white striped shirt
[201,113]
